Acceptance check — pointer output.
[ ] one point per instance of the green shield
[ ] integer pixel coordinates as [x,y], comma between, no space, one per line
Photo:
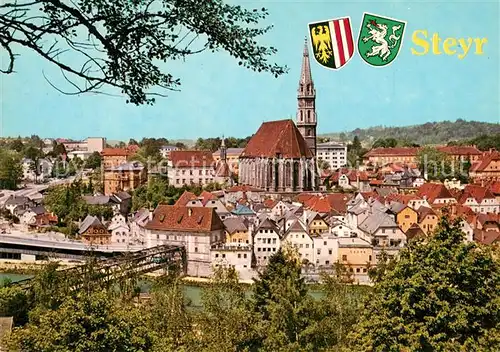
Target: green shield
[380,39]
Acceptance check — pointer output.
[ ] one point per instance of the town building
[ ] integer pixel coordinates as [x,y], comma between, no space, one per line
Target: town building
[486,169]
[190,167]
[335,154]
[198,229]
[93,232]
[125,177]
[479,199]
[267,241]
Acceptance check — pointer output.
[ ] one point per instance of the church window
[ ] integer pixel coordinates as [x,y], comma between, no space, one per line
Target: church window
[301,116]
[308,115]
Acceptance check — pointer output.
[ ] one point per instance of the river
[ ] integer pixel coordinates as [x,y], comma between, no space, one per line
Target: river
[192,293]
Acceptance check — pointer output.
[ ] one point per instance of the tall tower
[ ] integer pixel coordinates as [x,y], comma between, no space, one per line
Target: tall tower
[306,97]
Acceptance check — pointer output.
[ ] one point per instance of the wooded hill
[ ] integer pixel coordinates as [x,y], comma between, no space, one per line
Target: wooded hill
[427,133]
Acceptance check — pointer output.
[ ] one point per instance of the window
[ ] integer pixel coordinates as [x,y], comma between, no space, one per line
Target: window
[239,255]
[274,240]
[191,172]
[358,270]
[344,257]
[245,255]
[330,251]
[200,172]
[223,256]
[319,251]
[196,249]
[370,258]
[216,255]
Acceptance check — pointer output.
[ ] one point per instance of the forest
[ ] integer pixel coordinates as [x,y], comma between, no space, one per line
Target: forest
[440,294]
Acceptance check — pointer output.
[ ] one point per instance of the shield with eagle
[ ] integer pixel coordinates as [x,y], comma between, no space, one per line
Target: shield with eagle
[380,39]
[332,42]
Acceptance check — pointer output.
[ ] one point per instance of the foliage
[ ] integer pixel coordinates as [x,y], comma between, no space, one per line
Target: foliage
[92,322]
[436,164]
[483,142]
[323,164]
[13,303]
[226,322]
[284,308]
[93,161]
[11,171]
[428,133]
[213,144]
[124,44]
[392,143]
[355,152]
[440,295]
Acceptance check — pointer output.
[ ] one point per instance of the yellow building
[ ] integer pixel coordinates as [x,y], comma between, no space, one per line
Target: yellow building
[237,232]
[316,224]
[126,177]
[232,158]
[405,216]
[427,219]
[356,254]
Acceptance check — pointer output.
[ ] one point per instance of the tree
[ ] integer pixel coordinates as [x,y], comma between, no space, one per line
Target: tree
[435,164]
[16,144]
[150,195]
[284,308]
[58,149]
[441,295]
[120,44]
[323,164]
[93,161]
[11,170]
[227,322]
[94,322]
[32,153]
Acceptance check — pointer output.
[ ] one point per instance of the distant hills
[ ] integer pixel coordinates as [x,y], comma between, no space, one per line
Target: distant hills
[427,133]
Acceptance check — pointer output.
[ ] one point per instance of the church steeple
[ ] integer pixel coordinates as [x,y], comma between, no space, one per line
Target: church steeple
[306,98]
[223,150]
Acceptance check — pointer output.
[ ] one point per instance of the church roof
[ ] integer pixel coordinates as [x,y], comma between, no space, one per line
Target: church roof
[277,137]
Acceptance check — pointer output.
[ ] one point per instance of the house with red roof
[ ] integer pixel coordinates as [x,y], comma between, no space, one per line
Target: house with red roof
[350,179]
[191,167]
[435,193]
[479,199]
[487,168]
[197,228]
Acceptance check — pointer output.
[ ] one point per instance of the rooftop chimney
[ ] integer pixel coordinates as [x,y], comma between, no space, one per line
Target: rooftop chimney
[190,211]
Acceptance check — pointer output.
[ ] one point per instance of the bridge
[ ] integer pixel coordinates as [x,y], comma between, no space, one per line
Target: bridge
[123,266]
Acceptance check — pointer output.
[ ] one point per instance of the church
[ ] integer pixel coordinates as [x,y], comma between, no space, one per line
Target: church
[281,156]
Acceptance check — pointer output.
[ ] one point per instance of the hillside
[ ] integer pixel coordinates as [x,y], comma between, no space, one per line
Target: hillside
[427,133]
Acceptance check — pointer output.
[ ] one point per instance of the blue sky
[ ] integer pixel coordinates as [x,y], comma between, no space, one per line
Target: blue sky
[219,97]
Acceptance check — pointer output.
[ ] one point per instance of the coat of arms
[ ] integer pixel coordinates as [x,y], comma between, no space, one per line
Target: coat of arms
[332,42]
[380,39]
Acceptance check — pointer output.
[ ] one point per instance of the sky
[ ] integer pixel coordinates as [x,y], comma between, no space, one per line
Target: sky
[218,97]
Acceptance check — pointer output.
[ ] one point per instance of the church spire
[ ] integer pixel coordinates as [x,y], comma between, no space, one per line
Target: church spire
[305,74]
[306,102]
[223,150]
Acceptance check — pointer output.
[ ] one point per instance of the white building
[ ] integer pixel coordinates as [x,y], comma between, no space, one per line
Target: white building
[138,226]
[198,229]
[299,238]
[324,247]
[119,229]
[190,167]
[266,241]
[332,152]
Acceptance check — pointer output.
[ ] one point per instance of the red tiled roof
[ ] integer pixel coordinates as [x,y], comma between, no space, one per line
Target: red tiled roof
[338,201]
[205,196]
[320,204]
[433,191]
[277,137]
[494,187]
[403,151]
[191,158]
[486,237]
[185,198]
[485,162]
[189,219]
[477,192]
[460,150]
[116,152]
[270,203]
[352,175]
[222,169]
[325,203]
